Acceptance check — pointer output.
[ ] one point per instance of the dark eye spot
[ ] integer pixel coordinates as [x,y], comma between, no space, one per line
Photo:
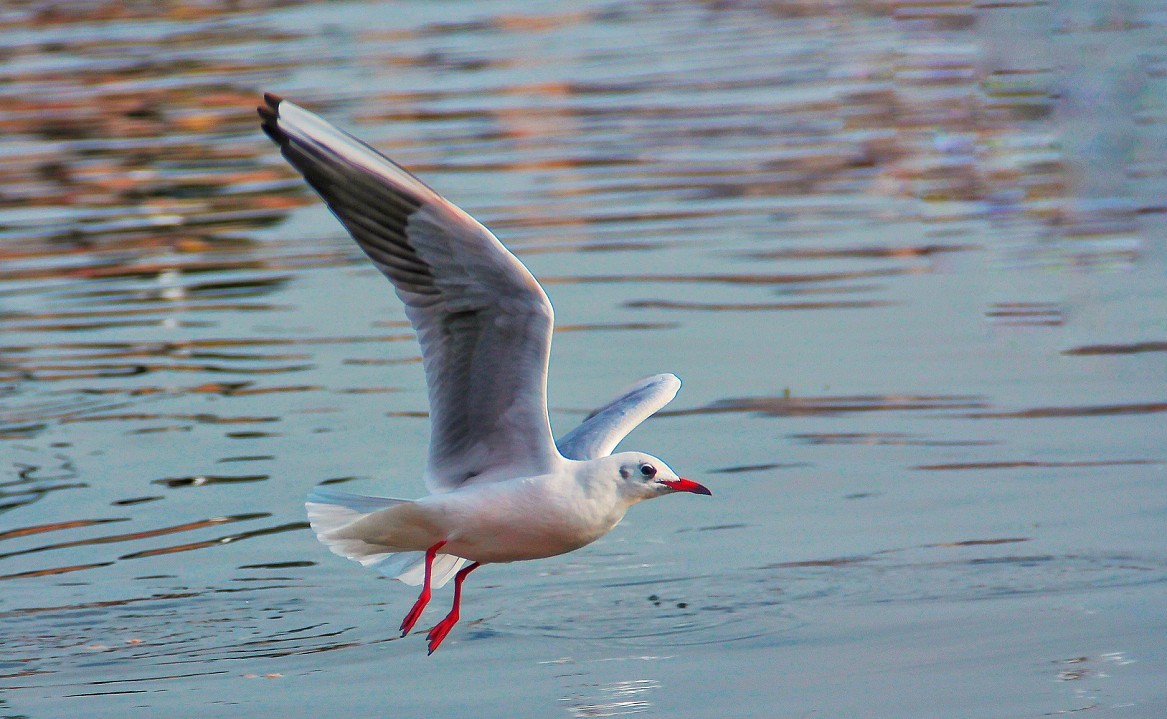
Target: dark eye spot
[648,470]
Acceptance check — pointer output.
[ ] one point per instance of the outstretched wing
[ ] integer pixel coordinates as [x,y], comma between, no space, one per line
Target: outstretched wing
[483,322]
[603,429]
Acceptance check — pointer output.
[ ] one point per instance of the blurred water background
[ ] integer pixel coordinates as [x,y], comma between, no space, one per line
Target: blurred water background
[908,256]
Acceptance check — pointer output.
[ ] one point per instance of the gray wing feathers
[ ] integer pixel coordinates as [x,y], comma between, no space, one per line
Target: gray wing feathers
[483,322]
[603,429]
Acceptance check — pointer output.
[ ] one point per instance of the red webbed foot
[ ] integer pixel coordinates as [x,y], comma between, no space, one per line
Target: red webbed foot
[442,628]
[423,598]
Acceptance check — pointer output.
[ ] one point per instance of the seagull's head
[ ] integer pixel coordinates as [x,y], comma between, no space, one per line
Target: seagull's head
[642,476]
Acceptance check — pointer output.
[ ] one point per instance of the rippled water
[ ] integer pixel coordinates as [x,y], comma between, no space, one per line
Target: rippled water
[907,257]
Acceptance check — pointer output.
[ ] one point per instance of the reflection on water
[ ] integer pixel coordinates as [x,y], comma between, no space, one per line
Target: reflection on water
[1119,349]
[906,256]
[614,699]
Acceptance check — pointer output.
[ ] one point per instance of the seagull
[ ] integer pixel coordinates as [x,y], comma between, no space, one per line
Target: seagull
[501,488]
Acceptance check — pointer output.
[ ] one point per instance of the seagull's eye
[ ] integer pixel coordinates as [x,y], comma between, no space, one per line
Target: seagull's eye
[648,470]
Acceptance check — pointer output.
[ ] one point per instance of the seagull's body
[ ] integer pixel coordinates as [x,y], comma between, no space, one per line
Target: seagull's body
[502,489]
[504,521]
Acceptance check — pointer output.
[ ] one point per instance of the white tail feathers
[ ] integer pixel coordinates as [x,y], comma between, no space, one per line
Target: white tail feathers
[330,510]
[409,567]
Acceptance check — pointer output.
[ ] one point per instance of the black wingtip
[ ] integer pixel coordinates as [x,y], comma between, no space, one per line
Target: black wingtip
[269,115]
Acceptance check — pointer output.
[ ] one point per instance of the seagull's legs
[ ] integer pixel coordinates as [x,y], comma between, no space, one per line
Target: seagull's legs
[423,598]
[442,628]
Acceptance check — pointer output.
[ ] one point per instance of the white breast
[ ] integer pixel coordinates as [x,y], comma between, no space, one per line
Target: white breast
[527,518]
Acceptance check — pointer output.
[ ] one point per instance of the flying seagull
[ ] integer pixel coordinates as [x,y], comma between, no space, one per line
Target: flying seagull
[502,489]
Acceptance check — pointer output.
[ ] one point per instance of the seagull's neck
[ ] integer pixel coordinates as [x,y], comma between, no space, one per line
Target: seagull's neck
[597,482]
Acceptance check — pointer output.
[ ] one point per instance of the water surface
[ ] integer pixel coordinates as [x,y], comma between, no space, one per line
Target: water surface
[908,259]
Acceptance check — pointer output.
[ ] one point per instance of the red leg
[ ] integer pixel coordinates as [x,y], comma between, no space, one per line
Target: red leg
[423,598]
[442,628]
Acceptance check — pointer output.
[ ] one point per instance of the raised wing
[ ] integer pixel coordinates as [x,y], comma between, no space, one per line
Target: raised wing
[603,429]
[483,322]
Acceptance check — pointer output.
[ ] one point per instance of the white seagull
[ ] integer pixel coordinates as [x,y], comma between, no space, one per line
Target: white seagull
[502,489]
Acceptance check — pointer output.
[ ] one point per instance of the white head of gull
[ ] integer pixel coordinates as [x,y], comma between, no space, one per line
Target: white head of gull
[502,489]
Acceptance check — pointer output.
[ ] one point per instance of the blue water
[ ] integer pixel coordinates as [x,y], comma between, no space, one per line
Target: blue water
[907,259]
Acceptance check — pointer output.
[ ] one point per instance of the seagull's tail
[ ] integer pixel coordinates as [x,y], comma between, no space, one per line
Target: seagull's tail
[330,510]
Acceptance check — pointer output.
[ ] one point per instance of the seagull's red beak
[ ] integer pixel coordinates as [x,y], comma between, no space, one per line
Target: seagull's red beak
[685,485]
